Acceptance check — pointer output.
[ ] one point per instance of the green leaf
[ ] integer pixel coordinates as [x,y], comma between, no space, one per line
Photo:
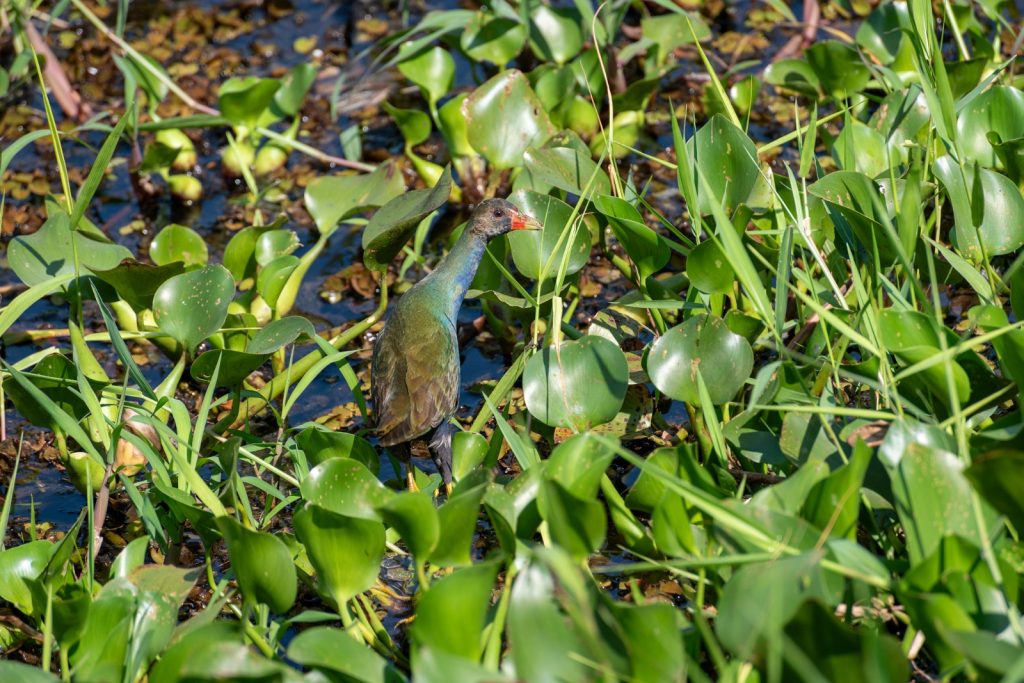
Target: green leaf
[487,38]
[577,526]
[395,222]
[998,476]
[192,306]
[321,444]
[988,210]
[728,159]
[242,101]
[567,168]
[415,518]
[709,270]
[645,247]
[669,31]
[703,345]
[20,566]
[51,252]
[578,384]
[538,252]
[433,71]
[505,118]
[346,552]
[332,650]
[344,486]
[178,243]
[933,499]
[137,282]
[556,33]
[332,199]
[457,519]
[262,563]
[839,68]
[450,616]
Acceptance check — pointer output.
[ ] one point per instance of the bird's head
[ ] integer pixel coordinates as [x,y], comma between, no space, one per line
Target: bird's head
[498,216]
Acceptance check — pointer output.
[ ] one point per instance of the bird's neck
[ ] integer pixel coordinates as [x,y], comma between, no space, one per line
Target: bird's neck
[451,279]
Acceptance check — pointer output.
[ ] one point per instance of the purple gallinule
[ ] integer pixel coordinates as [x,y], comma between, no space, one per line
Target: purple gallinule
[415,368]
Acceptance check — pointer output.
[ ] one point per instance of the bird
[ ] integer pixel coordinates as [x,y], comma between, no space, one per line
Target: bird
[415,367]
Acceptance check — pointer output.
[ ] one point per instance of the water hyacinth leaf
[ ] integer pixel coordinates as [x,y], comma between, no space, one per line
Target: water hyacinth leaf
[192,306]
[344,486]
[997,476]
[858,199]
[989,208]
[414,517]
[578,463]
[576,525]
[567,168]
[840,653]
[578,384]
[534,251]
[645,247]
[469,450]
[178,243]
[450,616]
[413,124]
[262,564]
[706,345]
[242,101]
[345,551]
[669,31]
[215,651]
[861,148]
[395,222]
[794,75]
[709,270]
[933,499]
[781,586]
[833,505]
[332,650]
[19,567]
[137,282]
[272,278]
[331,199]
[320,444]
[240,253]
[542,642]
[457,518]
[23,673]
[728,158]
[433,71]
[487,38]
[453,127]
[51,252]
[505,118]
[838,67]
[556,33]
[289,97]
[997,112]
[274,243]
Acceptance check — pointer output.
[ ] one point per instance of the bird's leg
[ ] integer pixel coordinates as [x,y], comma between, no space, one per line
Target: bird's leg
[404,453]
[441,450]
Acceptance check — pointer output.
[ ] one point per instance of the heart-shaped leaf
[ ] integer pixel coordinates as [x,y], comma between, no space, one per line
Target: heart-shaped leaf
[534,251]
[450,616]
[487,38]
[331,199]
[137,282]
[505,118]
[178,243]
[645,247]
[709,270]
[345,551]
[52,250]
[556,33]
[344,486]
[190,307]
[394,223]
[433,71]
[262,564]
[243,100]
[728,159]
[579,384]
[703,345]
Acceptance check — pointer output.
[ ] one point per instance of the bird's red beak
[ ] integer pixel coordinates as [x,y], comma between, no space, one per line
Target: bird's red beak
[520,221]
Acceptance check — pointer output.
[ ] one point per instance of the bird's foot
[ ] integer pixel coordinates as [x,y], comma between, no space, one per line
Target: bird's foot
[410,478]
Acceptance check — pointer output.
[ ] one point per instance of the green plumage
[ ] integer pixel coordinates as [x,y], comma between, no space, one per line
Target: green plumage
[415,375]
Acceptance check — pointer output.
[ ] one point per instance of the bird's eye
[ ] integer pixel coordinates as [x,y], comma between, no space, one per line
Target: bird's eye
[498,213]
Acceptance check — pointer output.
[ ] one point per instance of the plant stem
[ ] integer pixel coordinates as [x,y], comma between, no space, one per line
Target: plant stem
[275,387]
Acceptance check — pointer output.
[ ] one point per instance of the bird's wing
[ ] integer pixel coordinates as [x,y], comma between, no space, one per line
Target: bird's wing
[415,377]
